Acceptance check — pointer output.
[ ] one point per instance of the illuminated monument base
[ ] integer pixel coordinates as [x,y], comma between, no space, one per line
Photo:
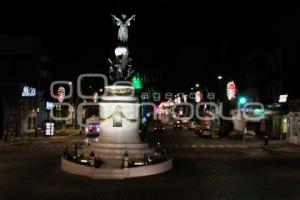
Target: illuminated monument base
[119,144]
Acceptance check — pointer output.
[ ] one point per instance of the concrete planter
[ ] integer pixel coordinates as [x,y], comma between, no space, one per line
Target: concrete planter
[115,173]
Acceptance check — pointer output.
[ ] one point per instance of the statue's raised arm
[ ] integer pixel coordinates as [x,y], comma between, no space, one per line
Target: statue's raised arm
[117,21]
[129,19]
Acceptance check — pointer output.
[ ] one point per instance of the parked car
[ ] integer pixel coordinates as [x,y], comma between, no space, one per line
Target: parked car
[203,130]
[159,128]
[178,125]
[192,125]
[198,130]
[207,131]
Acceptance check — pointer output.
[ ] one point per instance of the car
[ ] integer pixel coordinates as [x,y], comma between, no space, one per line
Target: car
[178,125]
[192,125]
[198,130]
[203,130]
[207,132]
[159,128]
[92,130]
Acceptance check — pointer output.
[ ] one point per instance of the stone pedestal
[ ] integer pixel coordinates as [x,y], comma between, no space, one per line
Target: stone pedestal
[119,136]
[119,125]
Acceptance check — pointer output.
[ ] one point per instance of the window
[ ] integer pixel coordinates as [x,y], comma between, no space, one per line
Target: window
[29,123]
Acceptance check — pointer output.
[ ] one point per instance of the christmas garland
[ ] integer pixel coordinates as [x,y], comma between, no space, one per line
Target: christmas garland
[118,113]
[119,91]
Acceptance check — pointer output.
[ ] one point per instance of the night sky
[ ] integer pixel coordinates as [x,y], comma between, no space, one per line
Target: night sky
[179,43]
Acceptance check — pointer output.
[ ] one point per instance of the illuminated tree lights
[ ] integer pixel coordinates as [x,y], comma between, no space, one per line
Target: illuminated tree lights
[163,108]
[137,82]
[198,96]
[231,91]
[95,97]
[61,93]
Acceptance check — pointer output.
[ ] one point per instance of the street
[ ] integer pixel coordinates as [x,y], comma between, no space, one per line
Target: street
[204,168]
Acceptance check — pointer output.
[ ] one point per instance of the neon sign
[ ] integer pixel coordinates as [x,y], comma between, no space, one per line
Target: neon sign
[28,92]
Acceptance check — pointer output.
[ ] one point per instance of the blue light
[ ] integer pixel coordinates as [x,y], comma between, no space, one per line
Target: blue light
[144,120]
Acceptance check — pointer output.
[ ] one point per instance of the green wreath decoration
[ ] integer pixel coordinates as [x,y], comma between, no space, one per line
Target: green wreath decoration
[118,112]
[120,91]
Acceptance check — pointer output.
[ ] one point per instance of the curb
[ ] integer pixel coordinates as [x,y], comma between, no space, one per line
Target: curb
[282,150]
[37,139]
[14,143]
[55,137]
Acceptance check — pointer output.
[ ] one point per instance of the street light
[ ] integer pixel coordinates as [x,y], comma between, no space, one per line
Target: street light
[242,100]
[220,77]
[197,85]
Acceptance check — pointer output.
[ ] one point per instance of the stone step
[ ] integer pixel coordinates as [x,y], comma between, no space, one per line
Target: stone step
[118,153]
[110,173]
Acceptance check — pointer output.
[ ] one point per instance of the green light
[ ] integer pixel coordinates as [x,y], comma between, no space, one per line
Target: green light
[137,82]
[259,111]
[242,100]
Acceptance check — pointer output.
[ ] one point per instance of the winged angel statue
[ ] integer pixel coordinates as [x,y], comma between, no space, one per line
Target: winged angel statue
[123,26]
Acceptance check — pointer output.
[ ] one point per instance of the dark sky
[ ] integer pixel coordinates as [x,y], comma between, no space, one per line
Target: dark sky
[179,43]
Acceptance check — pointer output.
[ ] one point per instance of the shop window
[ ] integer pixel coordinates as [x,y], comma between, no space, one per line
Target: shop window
[33,122]
[29,123]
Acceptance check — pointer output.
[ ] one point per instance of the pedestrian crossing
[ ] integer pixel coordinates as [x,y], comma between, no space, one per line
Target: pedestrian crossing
[175,146]
[46,146]
[209,146]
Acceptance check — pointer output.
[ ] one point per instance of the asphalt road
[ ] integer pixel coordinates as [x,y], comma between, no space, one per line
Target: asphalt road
[203,169]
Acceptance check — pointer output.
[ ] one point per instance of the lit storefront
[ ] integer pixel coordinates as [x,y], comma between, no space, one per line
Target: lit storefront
[21,111]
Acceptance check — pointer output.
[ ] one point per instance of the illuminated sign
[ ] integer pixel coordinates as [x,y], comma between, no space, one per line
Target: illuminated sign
[283,98]
[28,92]
[49,105]
[49,129]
